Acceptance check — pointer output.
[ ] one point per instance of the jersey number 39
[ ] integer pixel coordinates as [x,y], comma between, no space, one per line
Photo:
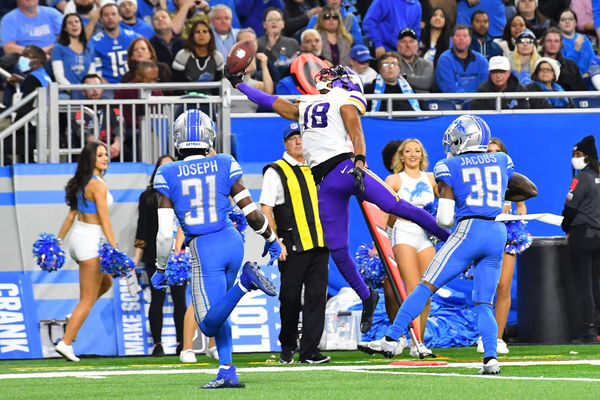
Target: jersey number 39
[487,187]
[196,215]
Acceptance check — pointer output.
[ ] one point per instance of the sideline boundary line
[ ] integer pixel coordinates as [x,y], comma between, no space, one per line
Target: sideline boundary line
[344,368]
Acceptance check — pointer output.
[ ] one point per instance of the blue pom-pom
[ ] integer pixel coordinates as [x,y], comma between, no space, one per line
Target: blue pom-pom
[517,238]
[179,269]
[113,261]
[239,221]
[370,267]
[47,252]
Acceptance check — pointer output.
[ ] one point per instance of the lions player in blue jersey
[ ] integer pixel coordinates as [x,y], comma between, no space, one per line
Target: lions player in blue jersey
[472,184]
[196,190]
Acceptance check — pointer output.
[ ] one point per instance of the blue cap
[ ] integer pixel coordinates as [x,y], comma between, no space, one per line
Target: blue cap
[360,53]
[290,130]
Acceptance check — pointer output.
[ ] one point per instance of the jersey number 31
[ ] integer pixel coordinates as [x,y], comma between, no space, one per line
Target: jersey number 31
[201,199]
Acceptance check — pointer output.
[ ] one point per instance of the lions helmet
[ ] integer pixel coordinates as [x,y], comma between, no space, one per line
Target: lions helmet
[466,133]
[338,76]
[193,129]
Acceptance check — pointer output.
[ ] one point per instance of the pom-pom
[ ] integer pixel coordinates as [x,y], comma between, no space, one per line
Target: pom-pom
[113,261]
[179,269]
[431,208]
[239,221]
[370,267]
[47,252]
[517,238]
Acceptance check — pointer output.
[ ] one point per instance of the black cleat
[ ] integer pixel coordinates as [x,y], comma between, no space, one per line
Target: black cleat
[369,305]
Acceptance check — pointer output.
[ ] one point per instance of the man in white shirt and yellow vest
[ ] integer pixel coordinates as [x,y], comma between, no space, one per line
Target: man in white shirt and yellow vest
[289,201]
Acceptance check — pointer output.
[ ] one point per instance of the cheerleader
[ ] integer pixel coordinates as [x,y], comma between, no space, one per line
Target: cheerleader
[88,199]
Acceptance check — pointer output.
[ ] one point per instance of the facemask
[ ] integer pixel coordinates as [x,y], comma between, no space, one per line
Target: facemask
[84,9]
[24,64]
[578,163]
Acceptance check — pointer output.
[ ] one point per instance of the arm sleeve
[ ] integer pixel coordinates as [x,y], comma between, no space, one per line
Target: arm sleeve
[59,71]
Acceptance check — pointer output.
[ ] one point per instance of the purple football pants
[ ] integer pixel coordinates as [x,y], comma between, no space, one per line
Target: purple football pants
[334,194]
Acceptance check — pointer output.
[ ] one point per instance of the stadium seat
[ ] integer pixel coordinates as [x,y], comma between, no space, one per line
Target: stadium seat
[437,105]
[587,102]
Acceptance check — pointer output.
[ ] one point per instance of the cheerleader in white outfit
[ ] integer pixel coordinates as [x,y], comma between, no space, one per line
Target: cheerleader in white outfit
[88,199]
[412,248]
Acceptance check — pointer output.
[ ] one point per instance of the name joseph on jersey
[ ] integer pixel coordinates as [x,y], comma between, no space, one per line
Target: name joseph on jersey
[199,168]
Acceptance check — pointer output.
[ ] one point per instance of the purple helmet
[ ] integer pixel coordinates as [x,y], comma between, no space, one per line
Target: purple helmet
[338,76]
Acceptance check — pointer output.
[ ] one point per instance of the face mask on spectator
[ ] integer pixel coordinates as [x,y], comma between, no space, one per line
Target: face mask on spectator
[578,163]
[24,64]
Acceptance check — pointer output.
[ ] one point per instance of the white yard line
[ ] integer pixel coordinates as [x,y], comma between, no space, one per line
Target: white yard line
[349,368]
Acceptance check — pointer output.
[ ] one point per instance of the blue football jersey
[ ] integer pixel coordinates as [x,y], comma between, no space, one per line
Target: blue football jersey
[111,53]
[199,188]
[478,180]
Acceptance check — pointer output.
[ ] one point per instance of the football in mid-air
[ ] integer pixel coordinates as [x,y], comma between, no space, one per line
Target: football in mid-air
[240,56]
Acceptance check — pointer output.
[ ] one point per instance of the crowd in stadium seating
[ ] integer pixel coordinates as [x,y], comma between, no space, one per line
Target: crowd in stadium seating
[446,48]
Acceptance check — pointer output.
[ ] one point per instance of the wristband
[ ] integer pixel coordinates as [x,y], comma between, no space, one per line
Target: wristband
[160,269]
[360,157]
[258,96]
[271,238]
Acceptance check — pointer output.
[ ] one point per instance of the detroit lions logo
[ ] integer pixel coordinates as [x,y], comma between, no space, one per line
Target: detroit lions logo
[420,189]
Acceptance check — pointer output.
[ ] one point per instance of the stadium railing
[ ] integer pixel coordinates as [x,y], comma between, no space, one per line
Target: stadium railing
[152,116]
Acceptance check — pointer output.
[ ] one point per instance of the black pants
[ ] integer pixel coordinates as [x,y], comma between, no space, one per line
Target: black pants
[155,313]
[584,254]
[309,268]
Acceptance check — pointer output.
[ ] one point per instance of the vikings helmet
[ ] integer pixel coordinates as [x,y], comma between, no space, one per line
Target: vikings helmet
[466,133]
[338,76]
[194,130]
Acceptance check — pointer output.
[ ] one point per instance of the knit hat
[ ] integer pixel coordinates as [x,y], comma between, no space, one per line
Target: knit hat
[553,63]
[587,146]
[526,33]
[387,154]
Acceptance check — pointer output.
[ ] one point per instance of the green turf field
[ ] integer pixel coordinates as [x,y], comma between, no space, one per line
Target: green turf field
[528,372]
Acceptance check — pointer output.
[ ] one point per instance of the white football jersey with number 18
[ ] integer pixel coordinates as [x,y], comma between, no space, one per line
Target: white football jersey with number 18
[324,134]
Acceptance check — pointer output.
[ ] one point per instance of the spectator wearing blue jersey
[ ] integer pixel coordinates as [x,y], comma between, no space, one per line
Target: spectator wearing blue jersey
[386,18]
[251,12]
[220,22]
[111,44]
[460,70]
[187,14]
[30,24]
[165,42]
[349,20]
[495,9]
[216,247]
[129,20]
[576,46]
[481,41]
[72,58]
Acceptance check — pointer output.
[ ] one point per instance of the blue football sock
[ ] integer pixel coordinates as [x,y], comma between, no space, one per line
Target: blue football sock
[411,308]
[488,328]
[224,344]
[218,313]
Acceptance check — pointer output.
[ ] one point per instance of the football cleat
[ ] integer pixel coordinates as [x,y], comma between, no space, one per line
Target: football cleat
[502,348]
[226,378]
[492,367]
[369,305]
[381,346]
[252,278]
